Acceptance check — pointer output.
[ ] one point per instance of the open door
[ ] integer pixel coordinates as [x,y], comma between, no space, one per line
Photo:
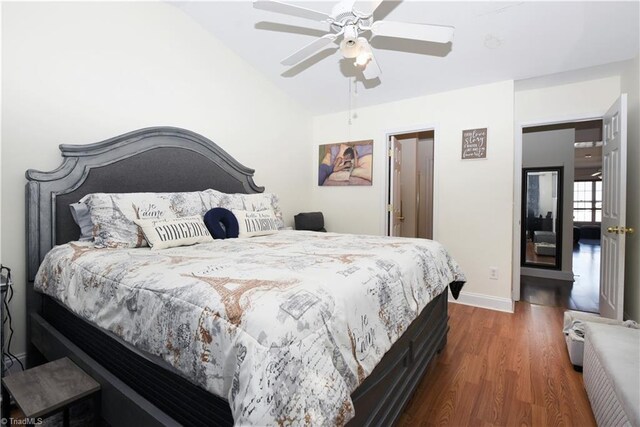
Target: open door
[614,205]
[395,214]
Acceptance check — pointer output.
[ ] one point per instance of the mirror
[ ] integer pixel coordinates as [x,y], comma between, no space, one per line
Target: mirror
[542,217]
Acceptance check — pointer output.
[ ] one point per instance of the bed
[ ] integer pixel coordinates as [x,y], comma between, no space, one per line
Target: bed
[139,390]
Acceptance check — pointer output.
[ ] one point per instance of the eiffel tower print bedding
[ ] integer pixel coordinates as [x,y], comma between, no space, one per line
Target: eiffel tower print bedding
[285,326]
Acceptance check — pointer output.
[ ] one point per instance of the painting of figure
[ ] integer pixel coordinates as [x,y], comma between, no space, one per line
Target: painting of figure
[345,163]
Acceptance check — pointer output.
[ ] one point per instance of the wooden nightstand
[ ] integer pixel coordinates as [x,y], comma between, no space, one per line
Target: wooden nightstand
[46,389]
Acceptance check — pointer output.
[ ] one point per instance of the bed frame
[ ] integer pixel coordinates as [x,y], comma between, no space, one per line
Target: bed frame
[136,391]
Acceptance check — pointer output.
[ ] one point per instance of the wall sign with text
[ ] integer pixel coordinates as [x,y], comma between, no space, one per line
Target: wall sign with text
[474,144]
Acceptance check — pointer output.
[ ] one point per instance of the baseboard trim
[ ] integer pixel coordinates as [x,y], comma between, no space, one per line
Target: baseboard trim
[484,301]
[547,274]
[22,357]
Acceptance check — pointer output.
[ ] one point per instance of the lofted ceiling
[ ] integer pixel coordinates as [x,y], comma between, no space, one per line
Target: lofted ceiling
[494,41]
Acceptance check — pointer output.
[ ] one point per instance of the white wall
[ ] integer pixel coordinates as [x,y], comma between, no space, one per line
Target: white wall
[81,72]
[567,100]
[473,198]
[554,148]
[629,84]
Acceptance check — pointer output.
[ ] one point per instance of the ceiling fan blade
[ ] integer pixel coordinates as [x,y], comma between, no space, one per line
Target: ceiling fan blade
[310,49]
[405,30]
[289,9]
[366,7]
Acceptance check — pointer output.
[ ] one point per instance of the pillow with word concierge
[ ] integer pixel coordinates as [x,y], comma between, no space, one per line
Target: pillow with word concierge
[256,223]
[172,232]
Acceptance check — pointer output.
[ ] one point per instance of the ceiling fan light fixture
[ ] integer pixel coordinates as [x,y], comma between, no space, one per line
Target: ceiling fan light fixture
[364,54]
[350,35]
[362,59]
[349,50]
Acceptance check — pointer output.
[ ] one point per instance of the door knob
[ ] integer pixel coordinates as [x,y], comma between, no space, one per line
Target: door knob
[621,230]
[400,218]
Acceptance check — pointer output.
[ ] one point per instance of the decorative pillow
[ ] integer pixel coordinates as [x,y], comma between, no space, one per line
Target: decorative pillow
[222,223]
[313,221]
[113,214]
[256,223]
[82,217]
[248,202]
[172,232]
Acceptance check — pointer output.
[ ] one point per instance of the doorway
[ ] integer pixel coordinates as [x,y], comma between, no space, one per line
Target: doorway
[587,215]
[576,146]
[411,184]
[614,205]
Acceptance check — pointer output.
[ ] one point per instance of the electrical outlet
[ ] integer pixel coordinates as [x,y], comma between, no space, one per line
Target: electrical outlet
[493,273]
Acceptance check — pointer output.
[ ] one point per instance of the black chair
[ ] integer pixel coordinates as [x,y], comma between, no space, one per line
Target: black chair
[311,221]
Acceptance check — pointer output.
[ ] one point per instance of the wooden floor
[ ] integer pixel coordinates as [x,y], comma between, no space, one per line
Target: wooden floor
[501,369]
[532,256]
[586,270]
[582,294]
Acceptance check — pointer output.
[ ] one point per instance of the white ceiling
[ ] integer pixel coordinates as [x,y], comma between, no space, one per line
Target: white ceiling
[494,41]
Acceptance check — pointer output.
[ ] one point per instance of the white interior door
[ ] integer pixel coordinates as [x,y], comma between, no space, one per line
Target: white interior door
[614,205]
[395,218]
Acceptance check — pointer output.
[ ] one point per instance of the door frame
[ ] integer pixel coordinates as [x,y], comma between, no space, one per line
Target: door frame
[517,185]
[435,128]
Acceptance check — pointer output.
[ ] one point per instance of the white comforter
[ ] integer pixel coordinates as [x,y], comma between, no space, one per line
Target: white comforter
[284,326]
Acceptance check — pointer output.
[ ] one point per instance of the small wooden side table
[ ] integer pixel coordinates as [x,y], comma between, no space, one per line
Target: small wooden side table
[46,389]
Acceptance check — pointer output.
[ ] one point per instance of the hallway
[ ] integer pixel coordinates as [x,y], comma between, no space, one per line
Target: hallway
[586,271]
[581,295]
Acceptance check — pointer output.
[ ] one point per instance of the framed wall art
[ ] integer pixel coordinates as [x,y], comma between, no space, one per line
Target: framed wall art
[345,163]
[474,144]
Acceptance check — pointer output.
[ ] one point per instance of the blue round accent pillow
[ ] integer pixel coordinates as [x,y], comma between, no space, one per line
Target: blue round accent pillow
[221,223]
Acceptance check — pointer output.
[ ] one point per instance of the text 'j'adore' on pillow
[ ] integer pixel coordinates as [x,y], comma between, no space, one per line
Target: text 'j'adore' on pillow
[256,223]
[171,232]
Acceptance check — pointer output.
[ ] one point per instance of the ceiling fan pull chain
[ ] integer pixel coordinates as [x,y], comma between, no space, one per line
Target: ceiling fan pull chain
[349,121]
[355,98]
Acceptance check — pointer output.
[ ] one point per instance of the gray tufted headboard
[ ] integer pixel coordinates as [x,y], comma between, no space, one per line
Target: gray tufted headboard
[156,159]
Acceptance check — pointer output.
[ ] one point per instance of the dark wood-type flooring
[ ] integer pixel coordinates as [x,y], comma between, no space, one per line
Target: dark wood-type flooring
[501,369]
[532,256]
[582,294]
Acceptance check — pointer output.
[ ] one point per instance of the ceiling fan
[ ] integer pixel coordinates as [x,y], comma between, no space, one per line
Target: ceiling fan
[349,19]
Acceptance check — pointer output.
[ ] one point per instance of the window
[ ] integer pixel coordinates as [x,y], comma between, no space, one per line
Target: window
[587,201]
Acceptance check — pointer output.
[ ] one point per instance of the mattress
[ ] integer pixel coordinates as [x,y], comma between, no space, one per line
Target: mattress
[284,327]
[612,373]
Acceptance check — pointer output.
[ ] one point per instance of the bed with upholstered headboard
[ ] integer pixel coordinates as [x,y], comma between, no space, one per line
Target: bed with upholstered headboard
[135,390]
